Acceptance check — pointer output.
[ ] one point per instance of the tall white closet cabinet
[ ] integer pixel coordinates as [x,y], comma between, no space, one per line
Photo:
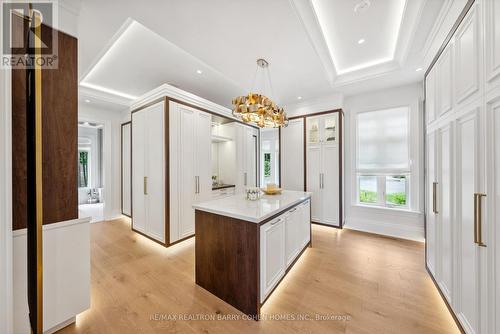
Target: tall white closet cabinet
[190,166]
[323,157]
[292,155]
[462,102]
[148,171]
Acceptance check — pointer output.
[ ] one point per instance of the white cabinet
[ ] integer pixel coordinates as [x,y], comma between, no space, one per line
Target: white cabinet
[462,171]
[431,197]
[281,241]
[445,209]
[148,171]
[190,161]
[468,183]
[467,57]
[323,168]
[292,155]
[272,253]
[126,169]
[247,139]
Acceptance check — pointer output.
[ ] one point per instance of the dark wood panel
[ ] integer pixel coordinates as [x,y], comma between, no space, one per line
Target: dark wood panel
[227,260]
[60,136]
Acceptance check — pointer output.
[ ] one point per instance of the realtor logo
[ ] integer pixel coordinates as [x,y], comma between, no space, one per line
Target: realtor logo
[18,40]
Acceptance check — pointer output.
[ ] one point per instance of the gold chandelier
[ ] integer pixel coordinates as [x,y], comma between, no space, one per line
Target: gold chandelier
[259,109]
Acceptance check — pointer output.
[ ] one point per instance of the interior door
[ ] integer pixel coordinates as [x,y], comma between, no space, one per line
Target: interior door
[138,170]
[187,172]
[430,227]
[445,274]
[330,171]
[467,185]
[155,172]
[203,156]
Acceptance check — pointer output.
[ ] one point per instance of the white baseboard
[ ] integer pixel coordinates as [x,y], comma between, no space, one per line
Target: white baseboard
[60,326]
[403,231]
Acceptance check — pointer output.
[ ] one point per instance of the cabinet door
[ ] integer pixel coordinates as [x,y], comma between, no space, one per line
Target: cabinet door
[272,255]
[187,180]
[445,179]
[292,155]
[430,96]
[467,55]
[313,180]
[291,231]
[155,197]
[444,87]
[430,228]
[138,171]
[492,13]
[203,156]
[467,184]
[305,223]
[126,170]
[330,183]
[493,200]
[250,157]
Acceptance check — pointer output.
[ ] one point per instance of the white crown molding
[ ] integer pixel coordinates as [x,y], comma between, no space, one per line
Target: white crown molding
[86,92]
[321,103]
[412,15]
[179,94]
[367,73]
[309,20]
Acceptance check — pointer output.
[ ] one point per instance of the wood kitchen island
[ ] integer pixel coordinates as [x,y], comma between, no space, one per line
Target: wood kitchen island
[244,248]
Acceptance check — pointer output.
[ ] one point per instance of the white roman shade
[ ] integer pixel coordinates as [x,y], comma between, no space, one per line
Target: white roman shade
[383,141]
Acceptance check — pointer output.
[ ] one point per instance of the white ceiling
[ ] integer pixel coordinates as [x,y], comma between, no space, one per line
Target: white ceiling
[312,47]
[361,39]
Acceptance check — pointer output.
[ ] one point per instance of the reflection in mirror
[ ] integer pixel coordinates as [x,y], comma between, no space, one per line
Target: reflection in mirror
[269,159]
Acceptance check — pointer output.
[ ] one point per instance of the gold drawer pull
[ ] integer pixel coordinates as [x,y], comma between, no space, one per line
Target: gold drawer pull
[478,220]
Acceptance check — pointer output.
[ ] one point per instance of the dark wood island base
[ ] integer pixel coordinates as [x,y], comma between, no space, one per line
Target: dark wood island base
[228,256]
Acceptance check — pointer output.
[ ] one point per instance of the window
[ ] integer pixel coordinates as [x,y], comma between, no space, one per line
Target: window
[383,159]
[267,165]
[83,169]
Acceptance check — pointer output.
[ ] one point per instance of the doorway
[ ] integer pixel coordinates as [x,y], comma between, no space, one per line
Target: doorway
[90,171]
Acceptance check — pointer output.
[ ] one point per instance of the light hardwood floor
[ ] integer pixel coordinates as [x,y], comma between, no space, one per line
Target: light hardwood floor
[379,283]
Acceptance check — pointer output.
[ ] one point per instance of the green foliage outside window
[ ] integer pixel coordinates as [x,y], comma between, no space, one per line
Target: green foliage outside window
[267,164]
[366,196]
[83,169]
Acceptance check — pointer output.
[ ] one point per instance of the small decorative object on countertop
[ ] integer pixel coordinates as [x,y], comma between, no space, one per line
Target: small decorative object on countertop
[253,193]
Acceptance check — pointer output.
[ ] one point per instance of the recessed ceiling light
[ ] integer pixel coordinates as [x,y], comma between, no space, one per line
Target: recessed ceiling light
[418,69]
[299,97]
[87,101]
[361,41]
[199,71]
[362,6]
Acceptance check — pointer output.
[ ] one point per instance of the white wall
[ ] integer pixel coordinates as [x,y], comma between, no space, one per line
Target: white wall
[405,224]
[111,154]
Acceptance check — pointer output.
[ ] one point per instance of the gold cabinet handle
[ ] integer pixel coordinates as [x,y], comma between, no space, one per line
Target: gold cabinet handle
[145,185]
[434,197]
[478,219]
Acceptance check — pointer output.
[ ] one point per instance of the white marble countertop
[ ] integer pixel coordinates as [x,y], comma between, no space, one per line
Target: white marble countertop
[237,206]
